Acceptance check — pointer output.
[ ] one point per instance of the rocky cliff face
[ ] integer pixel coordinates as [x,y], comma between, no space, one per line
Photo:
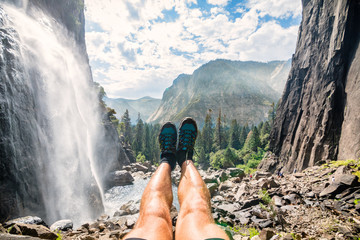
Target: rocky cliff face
[39,68]
[243,90]
[318,117]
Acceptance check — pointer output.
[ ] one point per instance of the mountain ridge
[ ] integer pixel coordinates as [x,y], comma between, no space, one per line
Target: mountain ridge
[144,105]
[220,84]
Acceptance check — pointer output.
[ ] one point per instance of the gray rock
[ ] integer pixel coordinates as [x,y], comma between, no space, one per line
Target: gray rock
[6,236]
[250,203]
[39,231]
[127,168]
[292,198]
[259,175]
[277,200]
[229,208]
[119,178]
[212,188]
[130,207]
[26,220]
[347,179]
[270,183]
[266,233]
[236,172]
[226,185]
[242,190]
[62,225]
[119,213]
[139,167]
[256,237]
[332,190]
[289,208]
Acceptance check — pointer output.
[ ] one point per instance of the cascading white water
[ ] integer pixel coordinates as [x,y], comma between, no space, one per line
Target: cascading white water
[68,130]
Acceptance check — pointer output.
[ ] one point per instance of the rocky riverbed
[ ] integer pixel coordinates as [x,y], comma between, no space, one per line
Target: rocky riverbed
[317,203]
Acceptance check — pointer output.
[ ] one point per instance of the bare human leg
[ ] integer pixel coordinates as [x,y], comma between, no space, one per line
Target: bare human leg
[154,220]
[195,220]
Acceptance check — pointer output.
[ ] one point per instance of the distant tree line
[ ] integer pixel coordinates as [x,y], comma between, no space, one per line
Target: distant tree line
[221,144]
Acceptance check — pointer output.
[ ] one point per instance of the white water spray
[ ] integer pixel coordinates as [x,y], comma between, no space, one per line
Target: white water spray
[70,184]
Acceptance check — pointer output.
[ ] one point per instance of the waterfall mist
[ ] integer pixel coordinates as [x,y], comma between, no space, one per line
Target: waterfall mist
[66,130]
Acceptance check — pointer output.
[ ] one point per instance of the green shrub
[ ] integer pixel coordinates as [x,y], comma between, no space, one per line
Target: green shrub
[253,232]
[140,158]
[223,158]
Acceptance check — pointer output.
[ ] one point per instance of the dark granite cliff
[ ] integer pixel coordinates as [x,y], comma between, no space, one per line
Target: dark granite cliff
[318,117]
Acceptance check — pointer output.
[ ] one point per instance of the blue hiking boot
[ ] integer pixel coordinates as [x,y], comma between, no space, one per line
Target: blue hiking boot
[187,137]
[167,140]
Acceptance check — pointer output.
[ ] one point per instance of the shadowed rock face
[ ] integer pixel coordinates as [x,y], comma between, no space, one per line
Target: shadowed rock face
[318,117]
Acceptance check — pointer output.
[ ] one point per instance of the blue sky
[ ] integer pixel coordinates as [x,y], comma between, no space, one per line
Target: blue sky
[138,47]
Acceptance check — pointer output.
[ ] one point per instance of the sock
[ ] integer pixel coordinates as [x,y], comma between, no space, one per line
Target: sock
[168,158]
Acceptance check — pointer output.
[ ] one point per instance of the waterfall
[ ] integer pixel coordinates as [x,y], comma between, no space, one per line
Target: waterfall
[53,121]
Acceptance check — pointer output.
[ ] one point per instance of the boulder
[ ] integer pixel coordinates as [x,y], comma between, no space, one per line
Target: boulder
[332,190]
[292,199]
[259,175]
[62,225]
[39,231]
[269,183]
[119,213]
[228,208]
[7,236]
[2,229]
[127,168]
[226,185]
[139,167]
[223,176]
[347,179]
[26,220]
[210,178]
[250,203]
[130,207]
[212,188]
[236,172]
[242,190]
[267,233]
[119,178]
[256,237]
[277,201]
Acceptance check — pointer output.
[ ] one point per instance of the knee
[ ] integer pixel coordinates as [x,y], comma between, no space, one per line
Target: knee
[156,209]
[195,205]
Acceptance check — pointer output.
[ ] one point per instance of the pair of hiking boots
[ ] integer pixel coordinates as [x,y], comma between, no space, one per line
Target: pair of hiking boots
[172,150]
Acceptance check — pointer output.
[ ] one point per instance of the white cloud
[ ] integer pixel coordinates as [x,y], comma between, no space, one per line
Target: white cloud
[276,8]
[139,52]
[218,2]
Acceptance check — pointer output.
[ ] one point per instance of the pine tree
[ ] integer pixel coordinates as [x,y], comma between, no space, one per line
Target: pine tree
[147,144]
[126,127]
[234,141]
[207,134]
[155,147]
[139,136]
[272,114]
[253,140]
[219,140]
[264,134]
[243,135]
